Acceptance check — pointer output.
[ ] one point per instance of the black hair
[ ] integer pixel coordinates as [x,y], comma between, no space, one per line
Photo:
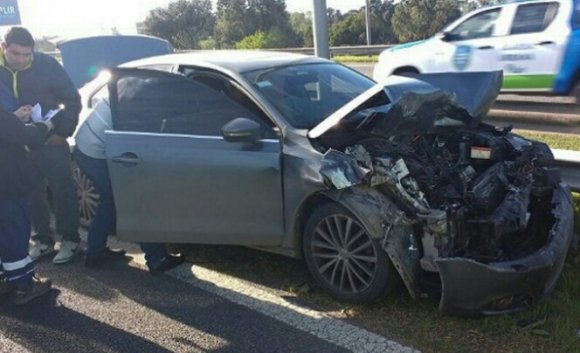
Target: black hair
[20,36]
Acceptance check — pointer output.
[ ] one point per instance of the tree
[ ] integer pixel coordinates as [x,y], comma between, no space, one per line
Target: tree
[301,24]
[231,25]
[351,28]
[183,23]
[237,19]
[260,40]
[420,19]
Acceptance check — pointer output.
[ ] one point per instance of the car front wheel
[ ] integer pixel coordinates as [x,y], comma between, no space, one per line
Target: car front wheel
[343,258]
[87,194]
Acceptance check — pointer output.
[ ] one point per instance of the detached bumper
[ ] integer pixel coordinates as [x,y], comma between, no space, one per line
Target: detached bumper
[470,287]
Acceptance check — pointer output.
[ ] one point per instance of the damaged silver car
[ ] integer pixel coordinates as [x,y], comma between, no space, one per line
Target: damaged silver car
[368,183]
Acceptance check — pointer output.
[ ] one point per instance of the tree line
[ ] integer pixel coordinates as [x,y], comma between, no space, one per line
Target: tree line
[254,24]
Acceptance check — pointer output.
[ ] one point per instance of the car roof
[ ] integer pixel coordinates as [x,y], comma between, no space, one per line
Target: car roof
[235,60]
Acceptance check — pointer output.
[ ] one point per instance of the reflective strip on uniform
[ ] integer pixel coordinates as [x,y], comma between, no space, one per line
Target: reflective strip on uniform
[13,266]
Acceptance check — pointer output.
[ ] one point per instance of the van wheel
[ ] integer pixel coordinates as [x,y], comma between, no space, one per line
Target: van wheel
[343,258]
[87,194]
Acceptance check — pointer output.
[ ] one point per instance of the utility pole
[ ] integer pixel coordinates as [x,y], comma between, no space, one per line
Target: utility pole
[368,21]
[320,29]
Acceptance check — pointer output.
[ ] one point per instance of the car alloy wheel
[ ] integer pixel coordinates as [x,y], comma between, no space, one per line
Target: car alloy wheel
[87,194]
[343,258]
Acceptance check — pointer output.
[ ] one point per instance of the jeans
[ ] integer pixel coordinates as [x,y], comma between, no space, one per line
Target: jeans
[52,167]
[105,220]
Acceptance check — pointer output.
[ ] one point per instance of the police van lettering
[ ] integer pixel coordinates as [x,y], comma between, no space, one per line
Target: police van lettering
[516,57]
[514,69]
[519,46]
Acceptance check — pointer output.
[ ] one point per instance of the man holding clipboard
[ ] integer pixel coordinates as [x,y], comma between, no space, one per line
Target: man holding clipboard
[39,82]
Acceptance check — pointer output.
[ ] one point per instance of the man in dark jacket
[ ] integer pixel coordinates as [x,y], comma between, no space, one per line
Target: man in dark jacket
[38,79]
[16,267]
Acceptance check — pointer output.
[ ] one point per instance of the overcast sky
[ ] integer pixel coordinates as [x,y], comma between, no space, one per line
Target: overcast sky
[71,18]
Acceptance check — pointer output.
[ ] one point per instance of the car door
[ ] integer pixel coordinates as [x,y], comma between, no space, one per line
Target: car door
[175,179]
[537,40]
[471,45]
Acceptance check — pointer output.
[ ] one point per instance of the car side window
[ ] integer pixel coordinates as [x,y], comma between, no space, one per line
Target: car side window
[171,104]
[532,18]
[477,26]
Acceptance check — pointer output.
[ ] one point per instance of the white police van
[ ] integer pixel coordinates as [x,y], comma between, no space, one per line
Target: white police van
[535,43]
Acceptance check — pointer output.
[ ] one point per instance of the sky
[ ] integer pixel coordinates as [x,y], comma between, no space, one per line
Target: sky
[73,18]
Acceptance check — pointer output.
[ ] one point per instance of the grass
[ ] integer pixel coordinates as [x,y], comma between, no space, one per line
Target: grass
[566,142]
[356,58]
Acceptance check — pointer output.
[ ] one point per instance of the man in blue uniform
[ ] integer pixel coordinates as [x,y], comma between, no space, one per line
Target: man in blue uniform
[16,268]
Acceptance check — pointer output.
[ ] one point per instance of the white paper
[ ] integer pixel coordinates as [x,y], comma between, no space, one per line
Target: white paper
[36,114]
[37,117]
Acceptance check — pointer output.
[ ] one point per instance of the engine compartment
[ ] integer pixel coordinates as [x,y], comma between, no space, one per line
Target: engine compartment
[480,193]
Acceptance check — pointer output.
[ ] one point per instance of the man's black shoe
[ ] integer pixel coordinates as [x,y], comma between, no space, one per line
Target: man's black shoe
[107,255]
[25,292]
[5,287]
[168,262]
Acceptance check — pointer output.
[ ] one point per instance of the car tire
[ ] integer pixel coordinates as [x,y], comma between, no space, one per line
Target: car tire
[343,258]
[87,194]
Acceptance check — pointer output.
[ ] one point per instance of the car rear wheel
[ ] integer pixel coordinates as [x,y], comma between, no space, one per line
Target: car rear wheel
[343,258]
[87,194]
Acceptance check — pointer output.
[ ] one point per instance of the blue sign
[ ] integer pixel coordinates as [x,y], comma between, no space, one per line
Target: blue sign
[9,13]
[462,57]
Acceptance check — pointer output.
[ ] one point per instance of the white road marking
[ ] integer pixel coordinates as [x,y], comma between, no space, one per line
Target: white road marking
[314,322]
[9,346]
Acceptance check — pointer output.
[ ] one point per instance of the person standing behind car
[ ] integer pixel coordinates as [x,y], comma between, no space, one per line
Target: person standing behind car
[16,268]
[36,78]
[89,154]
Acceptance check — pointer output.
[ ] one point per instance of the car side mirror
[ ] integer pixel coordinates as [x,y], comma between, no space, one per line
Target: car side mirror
[444,36]
[242,130]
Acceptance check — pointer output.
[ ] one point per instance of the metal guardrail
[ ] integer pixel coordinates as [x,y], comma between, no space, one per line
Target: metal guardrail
[343,50]
[569,164]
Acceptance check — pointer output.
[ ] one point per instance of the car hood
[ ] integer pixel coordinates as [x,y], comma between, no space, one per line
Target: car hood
[424,101]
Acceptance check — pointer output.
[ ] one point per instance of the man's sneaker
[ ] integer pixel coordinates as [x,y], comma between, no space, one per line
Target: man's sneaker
[25,292]
[67,251]
[38,249]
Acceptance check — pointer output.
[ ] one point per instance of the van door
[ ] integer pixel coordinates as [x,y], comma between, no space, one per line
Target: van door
[537,39]
[472,45]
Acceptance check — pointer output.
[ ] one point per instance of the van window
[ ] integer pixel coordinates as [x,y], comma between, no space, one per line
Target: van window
[477,26]
[532,18]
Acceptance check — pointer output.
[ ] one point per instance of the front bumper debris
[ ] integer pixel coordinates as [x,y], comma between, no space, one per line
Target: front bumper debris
[470,287]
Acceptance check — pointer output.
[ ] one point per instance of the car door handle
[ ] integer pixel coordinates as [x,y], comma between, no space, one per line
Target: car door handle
[127,159]
[547,42]
[485,47]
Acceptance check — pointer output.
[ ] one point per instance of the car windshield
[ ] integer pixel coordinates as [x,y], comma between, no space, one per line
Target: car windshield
[306,94]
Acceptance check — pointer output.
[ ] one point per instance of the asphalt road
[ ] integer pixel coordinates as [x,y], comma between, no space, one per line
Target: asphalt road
[120,307]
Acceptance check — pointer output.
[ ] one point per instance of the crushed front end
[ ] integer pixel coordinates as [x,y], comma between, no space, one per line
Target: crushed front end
[487,213]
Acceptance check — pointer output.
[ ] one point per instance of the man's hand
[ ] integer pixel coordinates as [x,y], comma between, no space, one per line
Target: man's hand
[56,140]
[23,113]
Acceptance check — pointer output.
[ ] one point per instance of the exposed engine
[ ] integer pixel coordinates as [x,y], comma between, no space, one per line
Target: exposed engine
[478,194]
